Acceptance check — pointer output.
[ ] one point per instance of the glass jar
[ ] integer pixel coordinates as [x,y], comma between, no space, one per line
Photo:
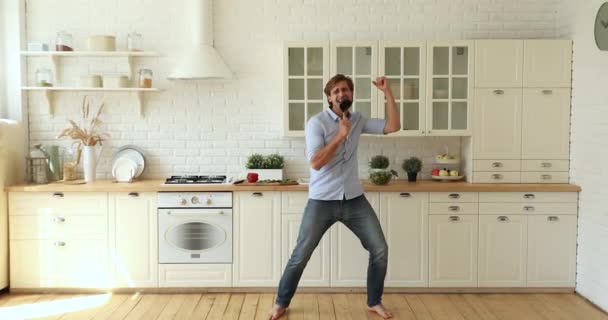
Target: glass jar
[63,41]
[134,42]
[44,77]
[37,165]
[70,161]
[145,78]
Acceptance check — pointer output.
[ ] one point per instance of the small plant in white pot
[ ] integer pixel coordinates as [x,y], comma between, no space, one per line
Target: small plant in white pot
[267,168]
[379,173]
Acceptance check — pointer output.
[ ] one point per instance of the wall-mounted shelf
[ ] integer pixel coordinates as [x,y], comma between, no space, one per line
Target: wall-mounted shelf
[49,91]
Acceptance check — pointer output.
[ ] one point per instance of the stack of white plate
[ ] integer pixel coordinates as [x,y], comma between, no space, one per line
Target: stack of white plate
[128,163]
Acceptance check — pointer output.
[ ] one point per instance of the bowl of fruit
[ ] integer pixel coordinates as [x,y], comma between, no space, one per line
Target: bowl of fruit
[445,174]
[447,159]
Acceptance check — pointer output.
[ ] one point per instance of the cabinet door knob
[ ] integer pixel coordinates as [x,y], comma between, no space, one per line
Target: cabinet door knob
[59,244]
[552,218]
[499,91]
[133,194]
[57,194]
[59,219]
[257,194]
[453,208]
[528,208]
[502,218]
[497,176]
[405,194]
[529,196]
[547,91]
[454,196]
[454,218]
[496,164]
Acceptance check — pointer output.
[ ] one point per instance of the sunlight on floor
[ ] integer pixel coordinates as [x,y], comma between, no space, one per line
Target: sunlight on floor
[48,308]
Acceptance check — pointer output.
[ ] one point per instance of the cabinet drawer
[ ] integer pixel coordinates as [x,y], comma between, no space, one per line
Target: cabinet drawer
[194,275]
[293,201]
[496,177]
[57,227]
[528,208]
[59,264]
[454,197]
[453,208]
[528,197]
[496,165]
[58,203]
[544,177]
[545,165]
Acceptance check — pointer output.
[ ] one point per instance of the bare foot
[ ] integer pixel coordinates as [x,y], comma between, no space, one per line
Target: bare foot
[381,311]
[276,312]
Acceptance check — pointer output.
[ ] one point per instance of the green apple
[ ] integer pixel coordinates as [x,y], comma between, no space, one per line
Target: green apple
[443,173]
[454,173]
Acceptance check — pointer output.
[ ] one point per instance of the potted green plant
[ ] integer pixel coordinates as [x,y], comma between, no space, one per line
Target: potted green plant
[412,166]
[379,173]
[267,167]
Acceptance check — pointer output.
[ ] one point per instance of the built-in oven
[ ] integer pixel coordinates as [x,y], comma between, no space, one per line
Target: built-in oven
[195,227]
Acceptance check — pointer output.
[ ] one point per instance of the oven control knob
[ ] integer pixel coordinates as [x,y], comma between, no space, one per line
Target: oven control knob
[194,200]
[183,202]
[208,201]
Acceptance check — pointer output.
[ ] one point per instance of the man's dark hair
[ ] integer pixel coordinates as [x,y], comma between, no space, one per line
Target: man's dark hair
[338,78]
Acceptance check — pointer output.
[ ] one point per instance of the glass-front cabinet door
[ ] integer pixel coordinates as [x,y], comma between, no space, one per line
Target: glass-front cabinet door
[404,63]
[358,60]
[450,68]
[306,70]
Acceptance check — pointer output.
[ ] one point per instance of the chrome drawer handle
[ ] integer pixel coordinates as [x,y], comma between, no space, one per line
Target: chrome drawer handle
[503,218]
[59,219]
[496,164]
[529,196]
[133,194]
[547,91]
[454,218]
[546,164]
[546,177]
[405,194]
[453,208]
[499,91]
[59,244]
[552,218]
[497,176]
[454,196]
[257,194]
[58,195]
[528,208]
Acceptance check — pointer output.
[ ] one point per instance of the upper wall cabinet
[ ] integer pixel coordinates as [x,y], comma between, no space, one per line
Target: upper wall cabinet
[404,64]
[498,63]
[306,70]
[359,61]
[450,67]
[547,63]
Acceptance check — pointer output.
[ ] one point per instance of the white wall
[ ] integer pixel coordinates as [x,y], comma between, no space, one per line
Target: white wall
[202,127]
[589,147]
[3,78]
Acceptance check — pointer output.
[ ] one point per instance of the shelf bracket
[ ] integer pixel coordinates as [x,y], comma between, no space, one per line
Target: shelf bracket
[55,68]
[140,102]
[49,102]
[130,62]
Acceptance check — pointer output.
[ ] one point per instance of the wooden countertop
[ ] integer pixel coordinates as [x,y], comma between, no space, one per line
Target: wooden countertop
[394,186]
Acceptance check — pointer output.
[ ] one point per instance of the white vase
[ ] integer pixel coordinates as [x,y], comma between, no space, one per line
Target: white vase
[89,162]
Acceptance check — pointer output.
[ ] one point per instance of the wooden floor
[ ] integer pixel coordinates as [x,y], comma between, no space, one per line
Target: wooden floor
[304,306]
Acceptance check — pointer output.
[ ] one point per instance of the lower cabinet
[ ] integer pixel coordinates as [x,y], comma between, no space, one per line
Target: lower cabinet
[257,239]
[133,239]
[503,240]
[453,250]
[194,275]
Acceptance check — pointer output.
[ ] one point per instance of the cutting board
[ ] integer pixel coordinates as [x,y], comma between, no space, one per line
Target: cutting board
[293,183]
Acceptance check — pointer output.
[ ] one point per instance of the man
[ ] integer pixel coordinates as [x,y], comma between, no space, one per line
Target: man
[335,192]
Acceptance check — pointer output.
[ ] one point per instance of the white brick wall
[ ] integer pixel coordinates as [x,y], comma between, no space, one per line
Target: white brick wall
[211,127]
[588,142]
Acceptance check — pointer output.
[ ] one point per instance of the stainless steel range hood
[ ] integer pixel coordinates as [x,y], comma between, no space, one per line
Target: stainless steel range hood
[200,60]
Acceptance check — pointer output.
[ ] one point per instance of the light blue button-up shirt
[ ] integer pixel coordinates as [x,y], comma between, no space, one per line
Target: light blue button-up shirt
[339,178]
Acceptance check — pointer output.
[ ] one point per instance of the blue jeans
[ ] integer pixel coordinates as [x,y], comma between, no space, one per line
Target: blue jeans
[357,214]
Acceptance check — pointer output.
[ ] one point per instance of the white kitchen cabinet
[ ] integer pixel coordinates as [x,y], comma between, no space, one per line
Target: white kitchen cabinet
[499,63]
[404,64]
[306,70]
[546,123]
[497,128]
[404,218]
[359,61]
[349,260]
[453,250]
[551,251]
[257,239]
[133,239]
[503,240]
[547,63]
[449,102]
[194,275]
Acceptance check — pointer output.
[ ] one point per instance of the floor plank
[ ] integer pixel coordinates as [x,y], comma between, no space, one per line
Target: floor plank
[418,307]
[250,305]
[235,304]
[396,304]
[219,306]
[311,306]
[341,307]
[112,303]
[264,304]
[186,309]
[172,307]
[440,307]
[326,307]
